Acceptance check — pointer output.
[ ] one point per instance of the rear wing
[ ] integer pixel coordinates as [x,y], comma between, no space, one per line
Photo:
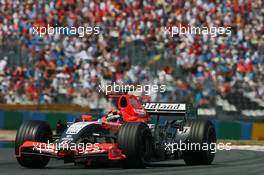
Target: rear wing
[170,109]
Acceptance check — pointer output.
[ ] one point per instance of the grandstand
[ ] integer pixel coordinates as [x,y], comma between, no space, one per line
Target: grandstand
[223,73]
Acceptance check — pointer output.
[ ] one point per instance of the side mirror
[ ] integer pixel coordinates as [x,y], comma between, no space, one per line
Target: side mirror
[87,118]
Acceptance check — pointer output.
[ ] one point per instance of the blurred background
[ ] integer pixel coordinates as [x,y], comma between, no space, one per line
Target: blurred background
[57,76]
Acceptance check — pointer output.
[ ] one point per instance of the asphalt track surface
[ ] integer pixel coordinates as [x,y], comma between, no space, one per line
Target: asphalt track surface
[234,162]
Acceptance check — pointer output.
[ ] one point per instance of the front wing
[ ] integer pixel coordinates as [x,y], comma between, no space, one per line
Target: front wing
[108,150]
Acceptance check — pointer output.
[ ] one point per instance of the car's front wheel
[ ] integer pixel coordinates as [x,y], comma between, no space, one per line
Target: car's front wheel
[136,142]
[32,130]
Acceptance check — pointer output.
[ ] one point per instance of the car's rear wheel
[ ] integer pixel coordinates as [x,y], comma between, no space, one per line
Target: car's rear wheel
[136,142]
[201,133]
[32,130]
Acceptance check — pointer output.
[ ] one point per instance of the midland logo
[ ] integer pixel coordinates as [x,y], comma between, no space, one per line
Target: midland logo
[155,107]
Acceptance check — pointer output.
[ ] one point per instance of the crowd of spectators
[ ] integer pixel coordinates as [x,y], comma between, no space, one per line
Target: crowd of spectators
[69,68]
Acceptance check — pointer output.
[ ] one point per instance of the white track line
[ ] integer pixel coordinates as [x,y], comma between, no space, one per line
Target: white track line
[248,147]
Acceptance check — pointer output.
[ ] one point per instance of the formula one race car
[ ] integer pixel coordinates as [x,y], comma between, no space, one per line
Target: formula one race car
[134,135]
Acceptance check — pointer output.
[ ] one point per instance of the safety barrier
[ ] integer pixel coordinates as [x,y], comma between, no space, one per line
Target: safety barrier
[44,107]
[11,120]
[237,130]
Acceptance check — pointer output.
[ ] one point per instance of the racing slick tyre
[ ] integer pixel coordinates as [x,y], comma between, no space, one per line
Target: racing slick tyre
[201,133]
[136,142]
[32,130]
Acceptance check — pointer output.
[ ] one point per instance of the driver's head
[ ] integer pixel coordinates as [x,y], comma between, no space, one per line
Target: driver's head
[114,112]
